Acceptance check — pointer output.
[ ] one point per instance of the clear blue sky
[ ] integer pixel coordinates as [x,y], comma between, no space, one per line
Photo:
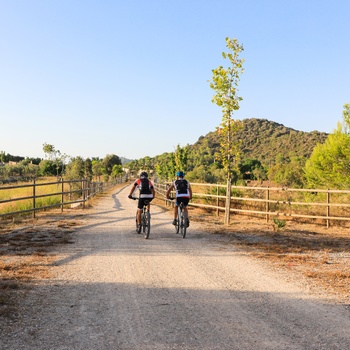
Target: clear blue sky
[98,77]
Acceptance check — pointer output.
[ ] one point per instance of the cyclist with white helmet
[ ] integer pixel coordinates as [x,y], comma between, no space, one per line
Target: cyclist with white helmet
[147,193]
[183,194]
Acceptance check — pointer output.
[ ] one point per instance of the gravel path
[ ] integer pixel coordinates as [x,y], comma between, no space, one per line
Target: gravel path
[115,290]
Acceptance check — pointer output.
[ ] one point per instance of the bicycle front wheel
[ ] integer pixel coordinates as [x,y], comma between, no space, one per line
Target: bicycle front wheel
[146,224]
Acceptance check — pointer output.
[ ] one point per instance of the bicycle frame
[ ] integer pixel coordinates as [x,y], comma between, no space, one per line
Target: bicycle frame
[181,225]
[181,220]
[145,220]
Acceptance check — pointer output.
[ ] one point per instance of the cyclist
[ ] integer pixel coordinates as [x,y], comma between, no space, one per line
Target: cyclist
[183,194]
[147,193]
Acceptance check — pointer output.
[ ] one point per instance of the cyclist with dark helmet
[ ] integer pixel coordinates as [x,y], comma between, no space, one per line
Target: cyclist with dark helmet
[183,194]
[147,193]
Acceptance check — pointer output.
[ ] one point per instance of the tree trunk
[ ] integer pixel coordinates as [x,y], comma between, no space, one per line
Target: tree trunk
[228,202]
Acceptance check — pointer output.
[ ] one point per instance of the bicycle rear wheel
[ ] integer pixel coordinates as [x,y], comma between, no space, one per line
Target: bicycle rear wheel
[177,226]
[146,224]
[183,223]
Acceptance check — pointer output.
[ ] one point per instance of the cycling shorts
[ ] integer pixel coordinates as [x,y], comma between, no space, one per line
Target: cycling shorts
[143,201]
[183,200]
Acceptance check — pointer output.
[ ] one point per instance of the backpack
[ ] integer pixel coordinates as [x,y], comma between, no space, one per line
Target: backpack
[181,186]
[145,186]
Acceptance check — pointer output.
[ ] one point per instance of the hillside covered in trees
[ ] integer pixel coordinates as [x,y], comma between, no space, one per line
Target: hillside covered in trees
[262,140]
[269,150]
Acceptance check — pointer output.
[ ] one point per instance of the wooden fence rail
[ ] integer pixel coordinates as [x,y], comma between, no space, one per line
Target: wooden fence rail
[60,193]
[266,202]
[272,202]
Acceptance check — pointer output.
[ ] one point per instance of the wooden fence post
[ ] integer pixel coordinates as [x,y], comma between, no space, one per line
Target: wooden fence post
[267,204]
[83,189]
[62,194]
[328,207]
[34,193]
[217,200]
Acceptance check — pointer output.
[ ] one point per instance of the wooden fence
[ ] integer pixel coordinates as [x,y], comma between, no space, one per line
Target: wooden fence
[58,193]
[263,202]
[272,202]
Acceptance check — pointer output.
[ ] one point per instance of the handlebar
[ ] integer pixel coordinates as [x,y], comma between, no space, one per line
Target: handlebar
[145,203]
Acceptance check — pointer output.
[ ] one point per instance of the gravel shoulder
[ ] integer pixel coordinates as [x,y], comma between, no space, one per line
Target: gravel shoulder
[106,287]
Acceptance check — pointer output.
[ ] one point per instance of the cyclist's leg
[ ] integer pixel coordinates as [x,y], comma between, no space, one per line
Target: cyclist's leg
[149,200]
[177,203]
[138,216]
[175,215]
[139,210]
[175,211]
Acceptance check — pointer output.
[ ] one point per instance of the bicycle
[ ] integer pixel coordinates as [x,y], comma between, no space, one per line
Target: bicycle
[145,226]
[181,225]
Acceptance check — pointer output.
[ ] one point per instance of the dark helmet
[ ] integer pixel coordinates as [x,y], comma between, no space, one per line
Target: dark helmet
[180,174]
[144,174]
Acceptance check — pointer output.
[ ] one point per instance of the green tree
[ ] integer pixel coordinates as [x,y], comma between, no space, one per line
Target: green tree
[97,168]
[88,169]
[289,173]
[165,166]
[346,117]
[108,162]
[181,157]
[47,168]
[225,84]
[75,169]
[2,157]
[329,163]
[146,164]
[252,169]
[117,170]
[55,156]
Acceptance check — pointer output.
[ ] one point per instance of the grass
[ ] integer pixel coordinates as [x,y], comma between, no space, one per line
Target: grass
[7,193]
[279,223]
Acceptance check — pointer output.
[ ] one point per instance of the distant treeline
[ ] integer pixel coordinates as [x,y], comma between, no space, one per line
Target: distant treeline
[6,158]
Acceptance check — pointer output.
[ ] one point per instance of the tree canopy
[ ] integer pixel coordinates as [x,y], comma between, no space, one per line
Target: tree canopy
[329,163]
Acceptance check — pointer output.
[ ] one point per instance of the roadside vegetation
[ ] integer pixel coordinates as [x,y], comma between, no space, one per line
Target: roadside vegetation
[25,204]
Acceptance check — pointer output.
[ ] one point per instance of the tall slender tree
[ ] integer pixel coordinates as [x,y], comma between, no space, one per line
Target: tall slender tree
[225,84]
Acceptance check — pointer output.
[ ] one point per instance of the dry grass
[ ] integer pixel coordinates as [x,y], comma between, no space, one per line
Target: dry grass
[26,254]
[309,250]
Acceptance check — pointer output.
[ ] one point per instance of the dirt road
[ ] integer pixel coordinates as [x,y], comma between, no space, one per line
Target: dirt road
[112,289]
